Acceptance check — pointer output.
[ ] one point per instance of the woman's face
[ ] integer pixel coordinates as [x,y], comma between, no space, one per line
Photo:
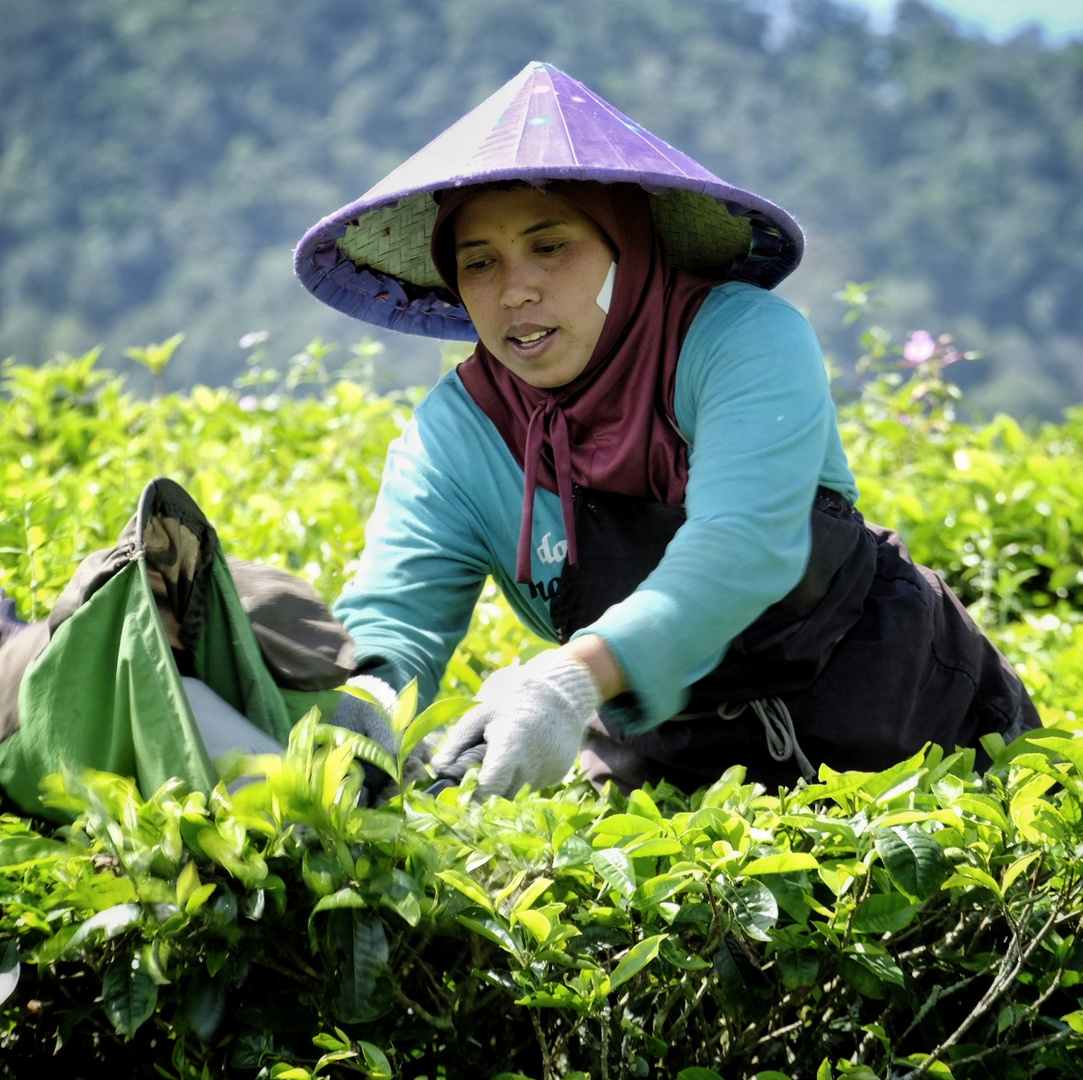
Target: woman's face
[530,269]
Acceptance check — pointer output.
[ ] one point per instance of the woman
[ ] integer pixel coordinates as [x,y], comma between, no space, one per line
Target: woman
[642,452]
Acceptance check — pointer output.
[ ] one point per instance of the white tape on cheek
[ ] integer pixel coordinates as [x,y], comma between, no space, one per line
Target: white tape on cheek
[605,297]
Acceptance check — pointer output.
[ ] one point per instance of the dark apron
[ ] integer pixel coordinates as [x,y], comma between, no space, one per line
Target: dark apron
[868,658]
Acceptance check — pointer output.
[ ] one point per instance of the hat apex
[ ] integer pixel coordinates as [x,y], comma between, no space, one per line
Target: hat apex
[542,124]
[370,259]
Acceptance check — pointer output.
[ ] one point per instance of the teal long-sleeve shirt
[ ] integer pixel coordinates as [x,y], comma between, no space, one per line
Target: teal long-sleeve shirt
[753,403]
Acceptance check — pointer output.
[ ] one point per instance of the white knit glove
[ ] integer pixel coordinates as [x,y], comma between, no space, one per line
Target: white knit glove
[527,726]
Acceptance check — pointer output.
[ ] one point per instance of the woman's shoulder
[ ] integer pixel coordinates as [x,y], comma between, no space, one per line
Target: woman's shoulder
[734,301]
[448,395]
[739,323]
[448,409]
[448,425]
[741,336]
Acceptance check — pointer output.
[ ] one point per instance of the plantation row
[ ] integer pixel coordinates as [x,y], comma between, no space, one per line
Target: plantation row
[923,921]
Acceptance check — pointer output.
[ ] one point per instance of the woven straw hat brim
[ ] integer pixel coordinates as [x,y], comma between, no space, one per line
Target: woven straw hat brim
[371,259]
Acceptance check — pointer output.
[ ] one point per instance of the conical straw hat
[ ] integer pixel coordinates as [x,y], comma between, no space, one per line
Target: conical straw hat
[371,260]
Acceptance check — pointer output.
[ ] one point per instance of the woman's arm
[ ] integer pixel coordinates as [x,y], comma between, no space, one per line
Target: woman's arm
[419,575]
[754,401]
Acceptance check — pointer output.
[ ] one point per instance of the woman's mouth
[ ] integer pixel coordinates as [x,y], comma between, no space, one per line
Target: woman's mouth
[531,338]
[530,342]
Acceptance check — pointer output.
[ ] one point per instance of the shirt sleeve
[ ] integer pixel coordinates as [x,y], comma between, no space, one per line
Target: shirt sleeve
[753,401]
[421,571]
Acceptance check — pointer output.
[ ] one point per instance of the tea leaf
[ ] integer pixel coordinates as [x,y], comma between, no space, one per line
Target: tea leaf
[635,960]
[468,887]
[754,907]
[128,996]
[876,960]
[781,863]
[913,858]
[615,867]
[105,925]
[405,709]
[884,913]
[22,852]
[435,716]
[362,946]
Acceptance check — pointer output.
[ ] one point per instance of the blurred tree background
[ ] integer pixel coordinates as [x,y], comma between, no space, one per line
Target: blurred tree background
[159,160]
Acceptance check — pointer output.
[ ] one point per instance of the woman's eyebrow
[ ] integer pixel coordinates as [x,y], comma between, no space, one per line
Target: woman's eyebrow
[540,226]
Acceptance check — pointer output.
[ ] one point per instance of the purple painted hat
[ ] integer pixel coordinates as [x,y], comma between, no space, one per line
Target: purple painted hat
[371,258]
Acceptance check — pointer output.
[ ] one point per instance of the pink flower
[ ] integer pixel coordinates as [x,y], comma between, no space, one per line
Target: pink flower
[919,348]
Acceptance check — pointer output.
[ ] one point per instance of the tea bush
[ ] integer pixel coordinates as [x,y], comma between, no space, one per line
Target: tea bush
[922,921]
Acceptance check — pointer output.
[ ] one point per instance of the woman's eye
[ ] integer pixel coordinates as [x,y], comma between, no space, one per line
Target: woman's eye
[549,249]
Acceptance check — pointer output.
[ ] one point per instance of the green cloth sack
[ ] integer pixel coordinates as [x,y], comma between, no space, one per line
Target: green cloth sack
[106,692]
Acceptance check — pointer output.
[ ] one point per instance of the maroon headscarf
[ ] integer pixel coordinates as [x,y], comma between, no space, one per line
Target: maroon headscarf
[611,428]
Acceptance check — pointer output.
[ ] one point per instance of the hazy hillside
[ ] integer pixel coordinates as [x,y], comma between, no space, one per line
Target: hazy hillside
[158,161]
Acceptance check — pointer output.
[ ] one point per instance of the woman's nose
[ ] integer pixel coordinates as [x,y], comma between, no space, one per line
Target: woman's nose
[519,284]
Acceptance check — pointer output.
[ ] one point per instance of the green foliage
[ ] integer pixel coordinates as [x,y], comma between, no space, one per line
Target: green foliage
[172,154]
[918,921]
[290,481]
[996,508]
[922,921]
[155,358]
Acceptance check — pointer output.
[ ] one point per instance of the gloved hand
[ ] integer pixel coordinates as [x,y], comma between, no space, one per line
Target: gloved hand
[527,727]
[374,721]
